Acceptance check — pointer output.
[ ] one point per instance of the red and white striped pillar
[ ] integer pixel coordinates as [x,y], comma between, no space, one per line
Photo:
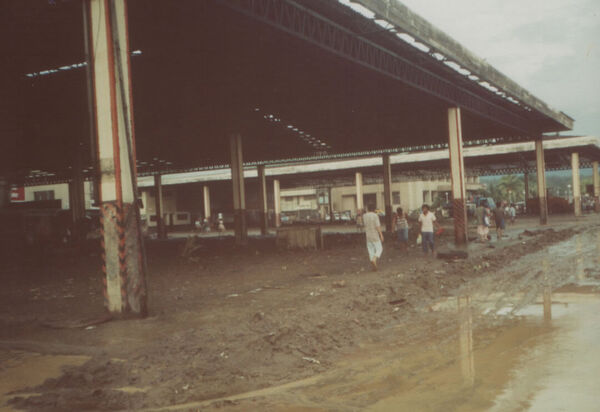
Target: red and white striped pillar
[124,283]
[457,176]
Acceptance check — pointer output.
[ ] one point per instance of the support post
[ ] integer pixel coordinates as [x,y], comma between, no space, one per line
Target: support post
[359,192]
[122,242]
[206,197]
[541,180]
[526,183]
[262,199]
[576,184]
[331,214]
[387,192]
[239,196]
[596,180]
[161,232]
[277,202]
[457,175]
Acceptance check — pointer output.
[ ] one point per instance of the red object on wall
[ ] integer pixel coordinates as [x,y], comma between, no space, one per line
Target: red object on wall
[17,194]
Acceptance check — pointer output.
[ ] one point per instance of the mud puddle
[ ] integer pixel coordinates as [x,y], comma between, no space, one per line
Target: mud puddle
[22,370]
[514,345]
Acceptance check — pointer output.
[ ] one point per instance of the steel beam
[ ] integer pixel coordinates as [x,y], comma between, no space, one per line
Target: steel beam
[314,28]
[161,232]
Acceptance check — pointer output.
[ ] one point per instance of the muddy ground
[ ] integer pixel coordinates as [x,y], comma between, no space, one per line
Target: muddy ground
[229,321]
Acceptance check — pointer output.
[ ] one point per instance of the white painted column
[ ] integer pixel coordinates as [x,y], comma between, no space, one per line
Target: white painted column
[541,180]
[206,197]
[359,191]
[277,202]
[596,180]
[576,184]
[457,175]
[125,289]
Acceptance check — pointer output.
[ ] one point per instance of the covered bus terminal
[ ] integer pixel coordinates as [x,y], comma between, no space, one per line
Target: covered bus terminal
[100,90]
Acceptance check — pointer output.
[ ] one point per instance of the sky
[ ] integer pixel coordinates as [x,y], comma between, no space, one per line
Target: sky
[549,47]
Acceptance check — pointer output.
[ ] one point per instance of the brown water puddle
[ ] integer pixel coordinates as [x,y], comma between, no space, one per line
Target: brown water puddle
[22,370]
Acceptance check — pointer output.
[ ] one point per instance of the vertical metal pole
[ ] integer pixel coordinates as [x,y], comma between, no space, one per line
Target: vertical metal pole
[123,250]
[359,191]
[277,202]
[331,214]
[161,232]
[541,180]
[262,199]
[596,180]
[387,192]
[576,184]
[457,175]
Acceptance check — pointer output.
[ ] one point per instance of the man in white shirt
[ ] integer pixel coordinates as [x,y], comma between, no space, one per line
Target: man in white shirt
[428,221]
[374,235]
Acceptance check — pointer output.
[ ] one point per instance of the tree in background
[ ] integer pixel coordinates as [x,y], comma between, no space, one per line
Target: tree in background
[512,187]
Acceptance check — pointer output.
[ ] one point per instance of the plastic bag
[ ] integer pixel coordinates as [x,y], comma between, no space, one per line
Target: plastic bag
[419,239]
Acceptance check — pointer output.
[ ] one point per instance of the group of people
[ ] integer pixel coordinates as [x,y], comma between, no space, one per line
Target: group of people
[375,238]
[501,214]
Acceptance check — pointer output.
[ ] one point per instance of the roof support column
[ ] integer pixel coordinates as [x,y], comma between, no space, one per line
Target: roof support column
[161,232]
[359,192]
[277,202]
[387,191]
[239,195]
[4,192]
[526,182]
[262,199]
[206,198]
[457,175]
[596,180]
[541,180]
[122,241]
[576,184]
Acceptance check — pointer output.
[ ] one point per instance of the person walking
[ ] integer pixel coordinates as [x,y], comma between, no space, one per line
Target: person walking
[374,235]
[499,218]
[428,221]
[401,228]
[481,215]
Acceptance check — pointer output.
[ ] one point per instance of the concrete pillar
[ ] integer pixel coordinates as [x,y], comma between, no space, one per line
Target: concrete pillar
[262,199]
[576,182]
[206,196]
[596,180]
[123,249]
[330,197]
[239,194]
[161,231]
[359,191]
[277,202]
[541,180]
[526,182]
[387,192]
[457,175]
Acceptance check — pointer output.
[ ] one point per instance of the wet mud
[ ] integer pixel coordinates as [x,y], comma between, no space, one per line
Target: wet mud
[281,330]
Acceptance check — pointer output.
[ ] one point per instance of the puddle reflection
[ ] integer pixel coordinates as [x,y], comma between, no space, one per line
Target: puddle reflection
[547,294]
[465,339]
